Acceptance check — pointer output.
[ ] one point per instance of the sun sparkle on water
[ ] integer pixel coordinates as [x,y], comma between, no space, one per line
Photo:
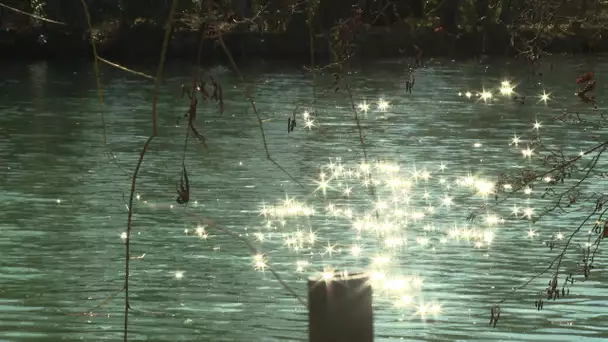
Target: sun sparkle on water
[371,234]
[381,228]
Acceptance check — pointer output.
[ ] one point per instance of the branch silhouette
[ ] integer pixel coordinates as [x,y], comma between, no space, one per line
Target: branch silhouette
[32,15]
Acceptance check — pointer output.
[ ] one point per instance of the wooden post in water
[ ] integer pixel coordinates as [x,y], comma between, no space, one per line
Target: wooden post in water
[340,309]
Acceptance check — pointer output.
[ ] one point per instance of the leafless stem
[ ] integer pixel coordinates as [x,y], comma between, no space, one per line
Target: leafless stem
[311,47]
[161,64]
[138,166]
[96,68]
[360,130]
[556,259]
[561,256]
[123,68]
[210,223]
[589,167]
[31,15]
[109,152]
[128,239]
[526,182]
[249,96]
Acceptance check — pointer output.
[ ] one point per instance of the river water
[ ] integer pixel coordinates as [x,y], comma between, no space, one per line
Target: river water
[64,201]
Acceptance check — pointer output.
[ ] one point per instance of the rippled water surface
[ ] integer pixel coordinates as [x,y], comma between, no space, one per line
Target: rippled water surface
[63,203]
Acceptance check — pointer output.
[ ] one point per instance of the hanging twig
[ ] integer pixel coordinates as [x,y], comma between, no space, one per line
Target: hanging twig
[138,166]
[558,258]
[128,238]
[210,223]
[96,67]
[255,111]
[161,64]
[123,68]
[311,47]
[32,15]
[97,73]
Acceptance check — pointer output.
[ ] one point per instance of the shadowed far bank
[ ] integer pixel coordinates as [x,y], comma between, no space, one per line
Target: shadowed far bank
[144,43]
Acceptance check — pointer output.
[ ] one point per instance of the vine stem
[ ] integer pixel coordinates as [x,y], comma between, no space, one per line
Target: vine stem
[96,68]
[590,166]
[97,73]
[124,68]
[161,65]
[361,137]
[254,251]
[257,114]
[557,258]
[159,73]
[209,222]
[37,17]
[311,47]
[128,239]
[561,166]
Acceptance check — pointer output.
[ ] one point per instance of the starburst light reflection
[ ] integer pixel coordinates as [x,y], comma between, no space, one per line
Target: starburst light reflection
[383,105]
[364,106]
[356,232]
[486,95]
[309,121]
[506,88]
[544,97]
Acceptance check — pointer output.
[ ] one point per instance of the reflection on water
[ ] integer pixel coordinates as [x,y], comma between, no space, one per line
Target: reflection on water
[63,201]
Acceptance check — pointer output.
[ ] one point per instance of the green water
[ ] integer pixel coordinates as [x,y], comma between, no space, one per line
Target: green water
[63,203]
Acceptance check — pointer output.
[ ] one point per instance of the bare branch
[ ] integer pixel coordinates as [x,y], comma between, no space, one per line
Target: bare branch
[31,15]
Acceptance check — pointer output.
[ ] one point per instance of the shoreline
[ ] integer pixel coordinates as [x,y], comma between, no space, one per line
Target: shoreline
[144,42]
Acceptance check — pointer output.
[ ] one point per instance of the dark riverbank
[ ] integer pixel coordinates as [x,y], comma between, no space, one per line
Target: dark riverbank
[144,42]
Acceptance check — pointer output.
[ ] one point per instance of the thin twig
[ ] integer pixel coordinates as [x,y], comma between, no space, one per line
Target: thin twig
[210,223]
[89,312]
[311,47]
[557,202]
[199,55]
[602,147]
[138,166]
[128,239]
[106,301]
[559,257]
[161,65]
[574,233]
[96,68]
[380,13]
[97,73]
[527,182]
[123,68]
[32,15]
[255,111]
[360,130]
[357,121]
